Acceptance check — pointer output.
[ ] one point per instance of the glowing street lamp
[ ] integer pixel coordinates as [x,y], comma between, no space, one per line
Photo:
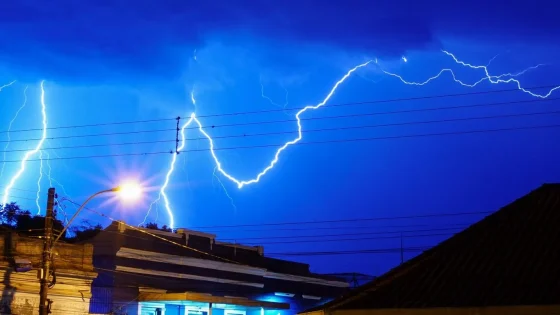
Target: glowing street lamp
[128,191]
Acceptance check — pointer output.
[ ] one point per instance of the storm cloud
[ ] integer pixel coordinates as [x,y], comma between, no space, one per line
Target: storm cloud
[79,38]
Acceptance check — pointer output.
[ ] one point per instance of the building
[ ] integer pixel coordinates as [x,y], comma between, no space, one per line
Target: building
[150,272]
[508,263]
[19,268]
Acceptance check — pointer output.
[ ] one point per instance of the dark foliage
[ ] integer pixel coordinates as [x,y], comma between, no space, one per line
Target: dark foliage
[12,217]
[154,226]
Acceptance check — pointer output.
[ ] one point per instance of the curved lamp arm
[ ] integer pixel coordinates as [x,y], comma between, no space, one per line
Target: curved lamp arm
[78,212]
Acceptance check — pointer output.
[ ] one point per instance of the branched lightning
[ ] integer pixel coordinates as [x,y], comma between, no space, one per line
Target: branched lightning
[32,152]
[263,95]
[497,79]
[224,188]
[10,126]
[494,79]
[219,168]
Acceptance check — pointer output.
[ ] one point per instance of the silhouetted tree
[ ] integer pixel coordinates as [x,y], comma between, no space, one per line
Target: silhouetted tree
[151,226]
[154,226]
[14,218]
[84,232]
[9,213]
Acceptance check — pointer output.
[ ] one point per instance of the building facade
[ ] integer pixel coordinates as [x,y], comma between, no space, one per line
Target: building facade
[151,272]
[19,269]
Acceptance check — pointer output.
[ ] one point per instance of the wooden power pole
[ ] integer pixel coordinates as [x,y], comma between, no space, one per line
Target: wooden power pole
[46,265]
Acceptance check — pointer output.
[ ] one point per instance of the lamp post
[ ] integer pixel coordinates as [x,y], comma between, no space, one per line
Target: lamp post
[128,191]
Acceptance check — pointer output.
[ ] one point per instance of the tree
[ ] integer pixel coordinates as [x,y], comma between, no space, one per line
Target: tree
[154,226]
[84,232]
[9,213]
[14,218]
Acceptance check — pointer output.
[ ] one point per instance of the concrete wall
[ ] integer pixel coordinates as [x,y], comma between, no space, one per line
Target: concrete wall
[20,290]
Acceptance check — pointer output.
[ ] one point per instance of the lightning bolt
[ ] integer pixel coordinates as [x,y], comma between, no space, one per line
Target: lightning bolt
[30,153]
[6,85]
[494,79]
[273,102]
[219,168]
[48,175]
[224,188]
[10,125]
[39,182]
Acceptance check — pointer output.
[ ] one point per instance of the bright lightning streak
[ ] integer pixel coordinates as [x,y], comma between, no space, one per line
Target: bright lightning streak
[10,127]
[7,85]
[471,85]
[219,168]
[224,188]
[273,102]
[494,79]
[497,80]
[49,177]
[30,153]
[156,201]
[241,183]
[39,182]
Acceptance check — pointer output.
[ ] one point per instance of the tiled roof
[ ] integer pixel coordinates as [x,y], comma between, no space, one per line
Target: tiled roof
[511,257]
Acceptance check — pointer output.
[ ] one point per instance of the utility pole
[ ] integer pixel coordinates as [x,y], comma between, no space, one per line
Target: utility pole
[46,265]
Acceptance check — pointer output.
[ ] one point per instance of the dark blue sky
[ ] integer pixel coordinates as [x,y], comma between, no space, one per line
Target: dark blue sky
[108,61]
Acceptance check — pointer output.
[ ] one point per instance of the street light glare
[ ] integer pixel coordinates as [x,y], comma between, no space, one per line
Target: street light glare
[129,191]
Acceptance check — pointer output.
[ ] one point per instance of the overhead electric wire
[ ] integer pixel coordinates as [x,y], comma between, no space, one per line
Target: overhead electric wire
[352,252]
[21,189]
[284,109]
[315,142]
[154,235]
[92,135]
[300,143]
[339,234]
[351,239]
[307,228]
[418,216]
[143,230]
[308,119]
[279,132]
[241,241]
[19,197]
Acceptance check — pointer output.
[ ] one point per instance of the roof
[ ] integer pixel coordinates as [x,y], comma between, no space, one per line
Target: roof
[511,257]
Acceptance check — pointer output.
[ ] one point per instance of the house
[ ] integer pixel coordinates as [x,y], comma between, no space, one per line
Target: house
[508,263]
[145,271]
[19,269]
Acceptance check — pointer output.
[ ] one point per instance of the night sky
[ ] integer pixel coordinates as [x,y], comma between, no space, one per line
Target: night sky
[107,62]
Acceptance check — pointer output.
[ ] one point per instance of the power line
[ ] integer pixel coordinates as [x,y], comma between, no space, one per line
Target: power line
[18,197]
[351,239]
[154,235]
[329,228]
[292,120]
[20,189]
[301,143]
[92,135]
[353,252]
[278,110]
[419,216]
[340,234]
[284,132]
